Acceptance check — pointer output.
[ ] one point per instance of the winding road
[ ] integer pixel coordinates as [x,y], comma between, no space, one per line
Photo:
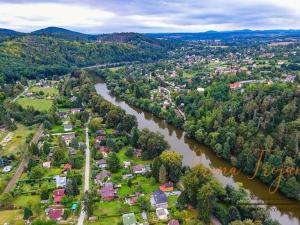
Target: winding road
[87,172]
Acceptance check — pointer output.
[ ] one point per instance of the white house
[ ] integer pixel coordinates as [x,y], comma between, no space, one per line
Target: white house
[60,181]
[162,213]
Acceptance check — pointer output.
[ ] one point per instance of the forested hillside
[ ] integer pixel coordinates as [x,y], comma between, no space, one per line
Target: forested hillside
[35,56]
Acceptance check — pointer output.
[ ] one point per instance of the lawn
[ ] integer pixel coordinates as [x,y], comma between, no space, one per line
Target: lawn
[47,90]
[12,217]
[27,200]
[37,104]
[18,141]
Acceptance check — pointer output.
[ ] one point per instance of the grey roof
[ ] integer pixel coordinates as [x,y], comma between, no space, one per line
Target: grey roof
[159,197]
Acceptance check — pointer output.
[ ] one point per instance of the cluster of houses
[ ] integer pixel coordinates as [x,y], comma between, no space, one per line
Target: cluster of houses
[108,191]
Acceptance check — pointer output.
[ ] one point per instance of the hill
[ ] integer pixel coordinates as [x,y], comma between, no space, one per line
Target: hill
[42,55]
[62,33]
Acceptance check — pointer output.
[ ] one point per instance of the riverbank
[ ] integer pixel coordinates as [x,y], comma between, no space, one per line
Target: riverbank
[287,214]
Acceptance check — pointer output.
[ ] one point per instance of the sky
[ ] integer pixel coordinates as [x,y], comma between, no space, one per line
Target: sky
[150,16]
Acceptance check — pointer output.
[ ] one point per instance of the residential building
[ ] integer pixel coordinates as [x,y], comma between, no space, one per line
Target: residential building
[159,199]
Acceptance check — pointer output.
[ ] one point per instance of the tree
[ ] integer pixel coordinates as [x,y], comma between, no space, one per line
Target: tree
[27,213]
[129,152]
[113,162]
[143,203]
[162,174]
[233,214]
[95,124]
[72,187]
[37,172]
[172,162]
[135,137]
[152,144]
[127,123]
[88,203]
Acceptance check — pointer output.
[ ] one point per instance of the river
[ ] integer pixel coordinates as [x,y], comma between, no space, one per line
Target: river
[286,211]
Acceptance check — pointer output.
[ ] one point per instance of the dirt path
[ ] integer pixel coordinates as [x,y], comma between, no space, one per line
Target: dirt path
[24,162]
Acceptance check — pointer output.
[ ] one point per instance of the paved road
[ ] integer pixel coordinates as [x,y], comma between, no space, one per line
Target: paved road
[86,174]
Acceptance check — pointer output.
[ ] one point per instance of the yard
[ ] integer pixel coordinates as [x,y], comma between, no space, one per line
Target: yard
[37,104]
[12,217]
[50,91]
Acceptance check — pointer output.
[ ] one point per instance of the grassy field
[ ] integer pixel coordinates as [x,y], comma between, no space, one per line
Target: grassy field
[47,90]
[18,141]
[27,200]
[37,104]
[12,217]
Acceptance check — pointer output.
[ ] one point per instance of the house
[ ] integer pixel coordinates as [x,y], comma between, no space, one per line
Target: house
[55,214]
[67,167]
[108,192]
[75,110]
[47,164]
[72,151]
[102,177]
[131,200]
[138,153]
[73,99]
[235,85]
[167,187]
[127,164]
[139,169]
[129,219]
[290,78]
[127,176]
[101,163]
[60,181]
[98,139]
[67,138]
[62,115]
[7,169]
[68,127]
[104,151]
[173,222]
[162,213]
[58,194]
[159,199]
[100,132]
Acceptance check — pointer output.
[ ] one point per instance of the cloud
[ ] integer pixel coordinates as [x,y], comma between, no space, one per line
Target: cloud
[97,16]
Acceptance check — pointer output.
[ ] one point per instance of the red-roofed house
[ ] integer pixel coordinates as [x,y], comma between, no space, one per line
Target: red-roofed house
[55,214]
[139,169]
[100,138]
[104,151]
[67,167]
[235,85]
[108,193]
[173,222]
[58,194]
[167,187]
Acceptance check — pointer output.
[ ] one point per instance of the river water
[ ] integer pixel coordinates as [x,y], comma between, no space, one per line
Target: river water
[286,211]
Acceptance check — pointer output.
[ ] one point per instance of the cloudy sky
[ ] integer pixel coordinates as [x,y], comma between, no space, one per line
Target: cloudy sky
[103,16]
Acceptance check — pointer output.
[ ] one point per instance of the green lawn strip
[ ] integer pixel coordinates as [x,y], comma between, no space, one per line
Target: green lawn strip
[37,104]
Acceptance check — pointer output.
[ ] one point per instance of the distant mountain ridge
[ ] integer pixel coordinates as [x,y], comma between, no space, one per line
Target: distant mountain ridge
[227,34]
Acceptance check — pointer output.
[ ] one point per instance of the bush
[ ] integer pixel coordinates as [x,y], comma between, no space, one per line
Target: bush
[130,152]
